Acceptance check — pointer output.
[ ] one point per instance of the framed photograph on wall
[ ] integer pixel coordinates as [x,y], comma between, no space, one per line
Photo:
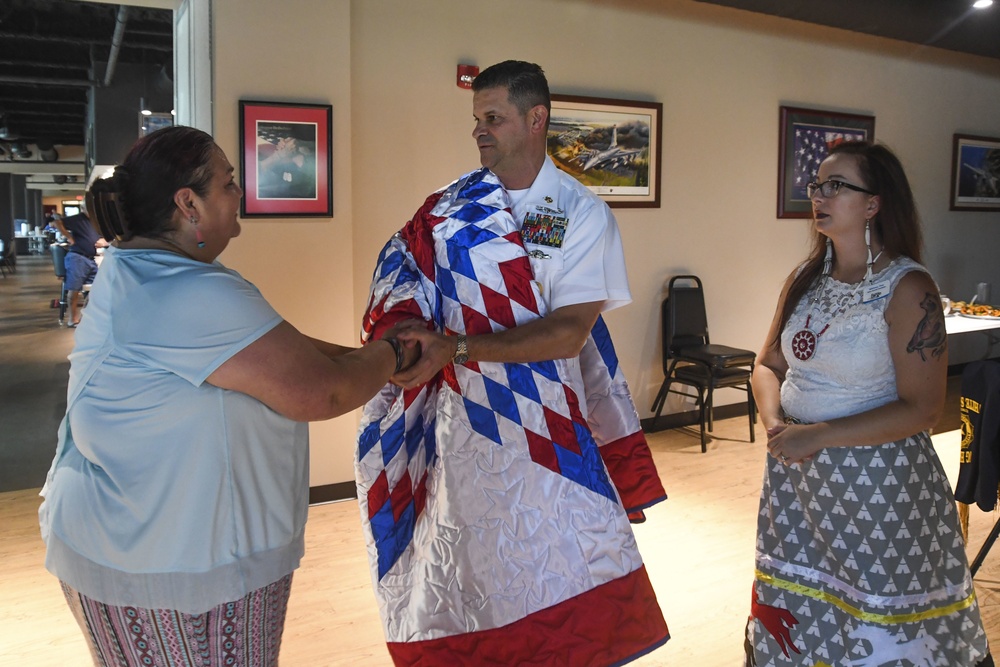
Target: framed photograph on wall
[611,146]
[806,137]
[975,173]
[149,123]
[286,162]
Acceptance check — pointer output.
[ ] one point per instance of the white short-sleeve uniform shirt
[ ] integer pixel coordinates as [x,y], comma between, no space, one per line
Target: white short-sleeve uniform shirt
[573,241]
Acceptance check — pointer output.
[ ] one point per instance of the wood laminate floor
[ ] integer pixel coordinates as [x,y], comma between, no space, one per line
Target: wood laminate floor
[698,548]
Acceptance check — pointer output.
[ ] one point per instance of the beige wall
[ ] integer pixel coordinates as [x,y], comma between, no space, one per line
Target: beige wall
[297,51]
[402,128]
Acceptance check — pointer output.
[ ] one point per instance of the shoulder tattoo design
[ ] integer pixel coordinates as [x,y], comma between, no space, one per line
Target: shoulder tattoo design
[930,333]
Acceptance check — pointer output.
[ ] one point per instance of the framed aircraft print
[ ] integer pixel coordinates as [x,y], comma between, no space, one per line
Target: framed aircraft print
[611,146]
[975,173]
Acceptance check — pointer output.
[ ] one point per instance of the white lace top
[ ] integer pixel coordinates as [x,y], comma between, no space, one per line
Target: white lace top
[851,369]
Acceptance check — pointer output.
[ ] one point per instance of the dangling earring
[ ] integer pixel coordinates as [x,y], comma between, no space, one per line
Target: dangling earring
[868,240]
[197,232]
[828,260]
[868,243]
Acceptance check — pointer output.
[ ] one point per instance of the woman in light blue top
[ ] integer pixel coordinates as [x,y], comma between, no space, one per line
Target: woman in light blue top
[175,507]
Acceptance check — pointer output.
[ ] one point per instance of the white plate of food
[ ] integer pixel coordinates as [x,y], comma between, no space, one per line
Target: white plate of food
[975,311]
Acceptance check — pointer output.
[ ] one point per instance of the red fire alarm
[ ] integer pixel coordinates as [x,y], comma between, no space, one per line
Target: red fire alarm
[466,75]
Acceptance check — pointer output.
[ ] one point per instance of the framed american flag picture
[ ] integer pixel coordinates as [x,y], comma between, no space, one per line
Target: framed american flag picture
[806,137]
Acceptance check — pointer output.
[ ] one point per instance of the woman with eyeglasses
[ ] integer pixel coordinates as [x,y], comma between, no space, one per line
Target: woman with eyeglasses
[860,560]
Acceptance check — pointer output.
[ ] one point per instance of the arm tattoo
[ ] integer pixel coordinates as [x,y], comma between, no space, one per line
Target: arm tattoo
[930,334]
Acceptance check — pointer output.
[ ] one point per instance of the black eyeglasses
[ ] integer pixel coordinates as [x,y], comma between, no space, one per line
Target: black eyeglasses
[831,188]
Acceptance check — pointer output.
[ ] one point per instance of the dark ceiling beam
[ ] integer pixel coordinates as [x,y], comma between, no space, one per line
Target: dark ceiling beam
[55,134]
[81,41]
[40,81]
[30,104]
[51,130]
[28,114]
[36,63]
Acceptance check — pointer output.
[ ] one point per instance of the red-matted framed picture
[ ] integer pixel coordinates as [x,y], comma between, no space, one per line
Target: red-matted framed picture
[286,162]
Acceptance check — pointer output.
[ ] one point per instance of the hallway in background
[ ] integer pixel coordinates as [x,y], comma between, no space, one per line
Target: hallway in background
[34,371]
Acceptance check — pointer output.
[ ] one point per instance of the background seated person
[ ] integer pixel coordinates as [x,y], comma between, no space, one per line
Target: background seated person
[81,268]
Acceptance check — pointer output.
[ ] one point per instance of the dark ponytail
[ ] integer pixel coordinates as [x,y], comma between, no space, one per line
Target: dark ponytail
[138,199]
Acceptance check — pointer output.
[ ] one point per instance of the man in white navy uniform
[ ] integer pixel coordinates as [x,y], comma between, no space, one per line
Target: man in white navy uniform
[571,235]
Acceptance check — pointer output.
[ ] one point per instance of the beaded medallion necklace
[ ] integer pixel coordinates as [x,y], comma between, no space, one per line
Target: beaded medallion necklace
[805,340]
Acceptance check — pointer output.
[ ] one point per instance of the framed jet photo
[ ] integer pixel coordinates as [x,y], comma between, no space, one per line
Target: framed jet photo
[611,146]
[975,173]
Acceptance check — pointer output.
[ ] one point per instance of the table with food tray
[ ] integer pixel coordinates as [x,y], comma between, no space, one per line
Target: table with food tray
[957,322]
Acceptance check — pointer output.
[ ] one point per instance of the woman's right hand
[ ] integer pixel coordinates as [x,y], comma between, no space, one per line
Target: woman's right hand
[775,430]
[411,353]
[411,348]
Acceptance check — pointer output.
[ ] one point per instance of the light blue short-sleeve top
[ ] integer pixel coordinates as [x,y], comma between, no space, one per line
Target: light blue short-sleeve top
[166,491]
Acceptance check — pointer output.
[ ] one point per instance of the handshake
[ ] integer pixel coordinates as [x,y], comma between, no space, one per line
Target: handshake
[425,352]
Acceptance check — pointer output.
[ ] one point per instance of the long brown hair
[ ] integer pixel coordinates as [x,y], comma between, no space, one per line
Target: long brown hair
[897,223]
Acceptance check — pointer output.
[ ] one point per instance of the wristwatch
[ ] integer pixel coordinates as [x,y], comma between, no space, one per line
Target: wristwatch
[461,351]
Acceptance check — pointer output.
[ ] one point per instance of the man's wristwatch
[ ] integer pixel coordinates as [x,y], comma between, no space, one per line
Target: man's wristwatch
[461,351]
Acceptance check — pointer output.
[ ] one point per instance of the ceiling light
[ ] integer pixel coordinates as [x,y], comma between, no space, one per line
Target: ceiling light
[982,4]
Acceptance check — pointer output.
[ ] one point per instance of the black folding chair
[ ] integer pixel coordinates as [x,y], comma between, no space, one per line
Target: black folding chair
[692,360]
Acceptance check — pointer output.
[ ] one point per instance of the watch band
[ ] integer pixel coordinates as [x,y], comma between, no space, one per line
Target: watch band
[461,350]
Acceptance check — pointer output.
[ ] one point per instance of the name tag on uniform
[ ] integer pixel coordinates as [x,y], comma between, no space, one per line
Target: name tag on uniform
[875,291]
[544,229]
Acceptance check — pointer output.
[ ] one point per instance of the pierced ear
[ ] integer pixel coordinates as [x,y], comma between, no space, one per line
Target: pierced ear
[874,204]
[184,199]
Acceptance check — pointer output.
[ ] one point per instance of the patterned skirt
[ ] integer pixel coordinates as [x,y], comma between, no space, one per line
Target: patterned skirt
[242,633]
[860,563]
